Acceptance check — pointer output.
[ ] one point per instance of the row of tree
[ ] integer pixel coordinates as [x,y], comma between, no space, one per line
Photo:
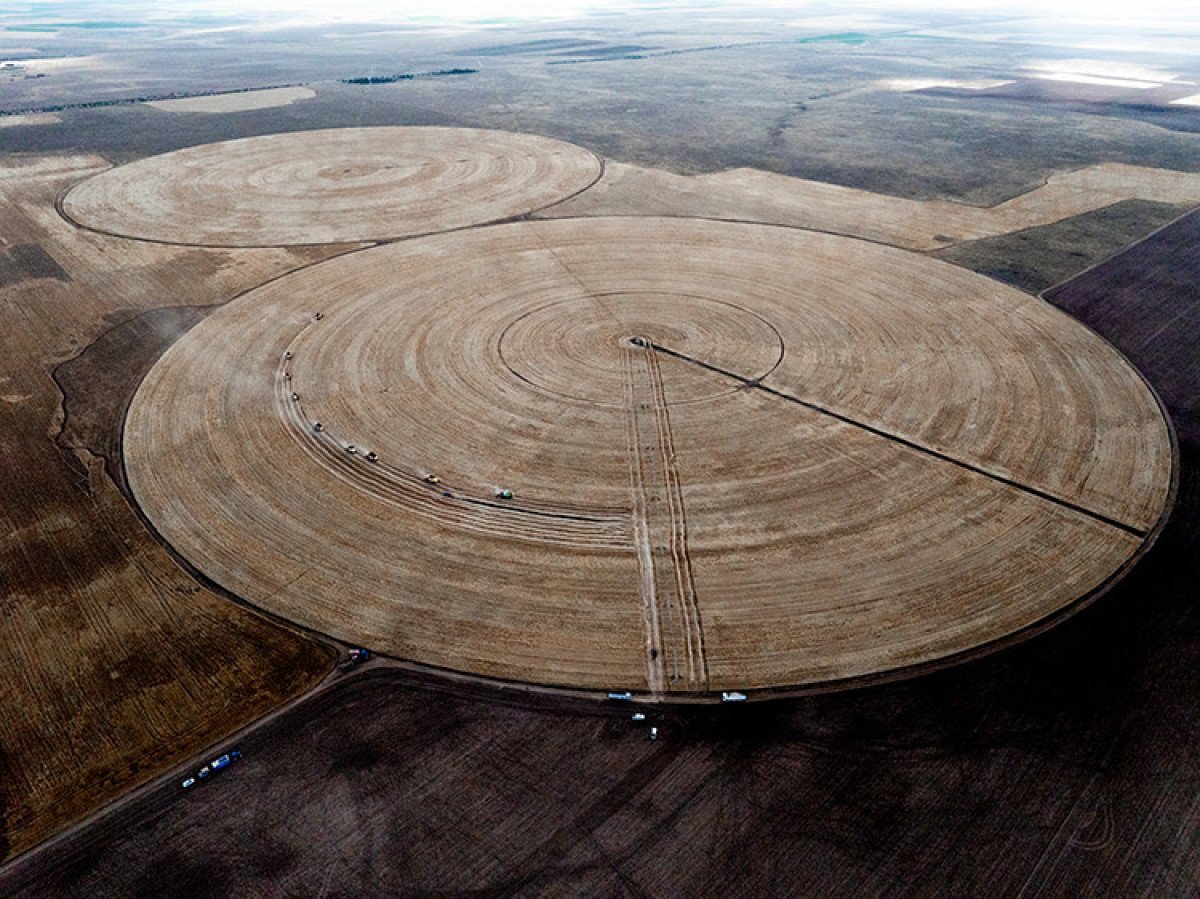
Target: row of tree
[407,76]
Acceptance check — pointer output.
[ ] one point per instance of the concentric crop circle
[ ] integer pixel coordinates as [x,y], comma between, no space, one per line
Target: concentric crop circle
[590,336]
[819,460]
[333,186]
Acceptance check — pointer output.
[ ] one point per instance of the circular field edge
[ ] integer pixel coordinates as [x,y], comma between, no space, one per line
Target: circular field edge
[777,693]
[61,199]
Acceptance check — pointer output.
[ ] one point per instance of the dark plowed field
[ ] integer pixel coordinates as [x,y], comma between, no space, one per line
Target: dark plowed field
[1147,302]
[1034,259]
[98,383]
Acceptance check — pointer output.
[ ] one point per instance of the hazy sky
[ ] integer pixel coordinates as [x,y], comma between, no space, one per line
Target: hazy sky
[374,10]
[1159,13]
[1151,27]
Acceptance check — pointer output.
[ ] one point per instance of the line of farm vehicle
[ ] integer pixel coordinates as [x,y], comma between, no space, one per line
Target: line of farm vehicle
[356,657]
[640,717]
[220,763]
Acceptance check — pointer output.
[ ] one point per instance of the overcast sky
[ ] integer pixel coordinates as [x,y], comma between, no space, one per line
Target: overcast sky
[1136,12]
[1159,13]
[1145,27]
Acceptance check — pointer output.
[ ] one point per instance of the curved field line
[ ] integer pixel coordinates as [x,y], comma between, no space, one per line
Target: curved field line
[385,482]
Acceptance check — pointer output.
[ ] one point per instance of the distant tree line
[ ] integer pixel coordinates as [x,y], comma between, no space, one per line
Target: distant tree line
[407,76]
[179,95]
[848,37]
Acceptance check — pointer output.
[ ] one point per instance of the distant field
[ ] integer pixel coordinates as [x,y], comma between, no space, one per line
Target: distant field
[689,104]
[331,186]
[755,195]
[1036,258]
[240,101]
[33,118]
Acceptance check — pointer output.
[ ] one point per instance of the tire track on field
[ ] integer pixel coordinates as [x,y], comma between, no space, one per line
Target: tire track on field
[675,636]
[583,529]
[655,673]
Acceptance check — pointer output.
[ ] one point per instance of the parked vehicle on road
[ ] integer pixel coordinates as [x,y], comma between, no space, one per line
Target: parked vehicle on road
[355,657]
[220,763]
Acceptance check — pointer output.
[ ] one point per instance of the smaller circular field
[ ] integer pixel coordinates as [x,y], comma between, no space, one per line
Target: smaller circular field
[336,186]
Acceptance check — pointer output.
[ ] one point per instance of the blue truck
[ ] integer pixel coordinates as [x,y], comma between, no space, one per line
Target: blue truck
[220,763]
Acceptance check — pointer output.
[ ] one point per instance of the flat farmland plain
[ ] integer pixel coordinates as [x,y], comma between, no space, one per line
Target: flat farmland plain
[106,619]
[1069,765]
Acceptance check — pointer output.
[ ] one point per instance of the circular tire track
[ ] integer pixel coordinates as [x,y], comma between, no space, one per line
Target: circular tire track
[332,186]
[561,347]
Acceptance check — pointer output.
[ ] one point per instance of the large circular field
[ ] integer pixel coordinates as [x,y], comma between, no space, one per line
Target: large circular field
[740,456]
[336,186]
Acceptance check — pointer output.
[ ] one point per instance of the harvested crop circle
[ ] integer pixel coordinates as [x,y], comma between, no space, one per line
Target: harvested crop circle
[668,455]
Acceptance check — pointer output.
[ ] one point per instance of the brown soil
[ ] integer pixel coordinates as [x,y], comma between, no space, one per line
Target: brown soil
[27,262]
[117,663]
